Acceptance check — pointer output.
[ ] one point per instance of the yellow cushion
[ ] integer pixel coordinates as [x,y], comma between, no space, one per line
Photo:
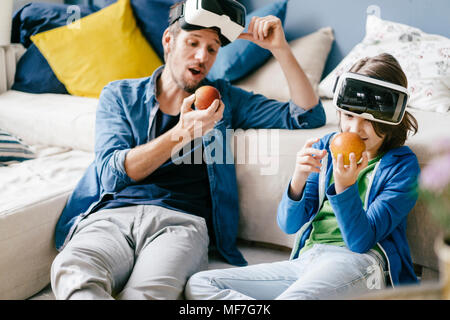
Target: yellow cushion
[95,50]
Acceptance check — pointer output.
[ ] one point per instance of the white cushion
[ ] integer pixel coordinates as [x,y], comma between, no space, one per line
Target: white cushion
[311,52]
[53,171]
[423,57]
[49,119]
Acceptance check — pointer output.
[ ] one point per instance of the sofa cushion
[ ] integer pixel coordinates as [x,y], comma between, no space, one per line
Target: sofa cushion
[50,119]
[13,150]
[34,18]
[115,45]
[33,73]
[423,57]
[54,170]
[152,18]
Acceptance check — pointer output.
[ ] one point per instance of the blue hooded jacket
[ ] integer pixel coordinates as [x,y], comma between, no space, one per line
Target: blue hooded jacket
[391,195]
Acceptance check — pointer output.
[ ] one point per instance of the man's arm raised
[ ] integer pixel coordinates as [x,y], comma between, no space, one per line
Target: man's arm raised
[267,32]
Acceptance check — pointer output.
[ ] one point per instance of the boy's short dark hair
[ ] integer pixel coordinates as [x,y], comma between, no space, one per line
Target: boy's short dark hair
[384,66]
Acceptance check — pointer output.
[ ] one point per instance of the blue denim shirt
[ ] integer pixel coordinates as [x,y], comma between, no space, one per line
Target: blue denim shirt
[125,119]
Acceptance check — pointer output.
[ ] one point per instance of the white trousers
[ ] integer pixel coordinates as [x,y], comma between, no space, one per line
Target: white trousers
[136,252]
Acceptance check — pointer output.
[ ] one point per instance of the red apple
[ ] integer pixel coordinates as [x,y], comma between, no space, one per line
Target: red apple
[346,143]
[205,96]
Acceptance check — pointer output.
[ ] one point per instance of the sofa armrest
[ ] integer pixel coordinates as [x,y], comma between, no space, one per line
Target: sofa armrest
[9,56]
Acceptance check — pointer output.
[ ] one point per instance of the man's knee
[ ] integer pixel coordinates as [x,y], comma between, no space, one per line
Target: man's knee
[66,276]
[71,273]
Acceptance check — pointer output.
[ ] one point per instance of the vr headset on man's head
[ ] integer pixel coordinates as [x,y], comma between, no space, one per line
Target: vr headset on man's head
[370,98]
[227,16]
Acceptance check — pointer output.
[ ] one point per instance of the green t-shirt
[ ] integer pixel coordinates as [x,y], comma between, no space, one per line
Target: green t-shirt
[325,228]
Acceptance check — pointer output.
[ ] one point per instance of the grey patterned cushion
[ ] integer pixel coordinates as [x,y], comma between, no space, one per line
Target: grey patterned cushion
[13,150]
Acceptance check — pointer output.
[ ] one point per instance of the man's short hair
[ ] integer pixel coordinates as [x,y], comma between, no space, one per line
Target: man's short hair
[175,26]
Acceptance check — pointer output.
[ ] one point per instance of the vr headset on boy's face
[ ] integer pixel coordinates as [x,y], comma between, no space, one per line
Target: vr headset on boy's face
[370,98]
[227,16]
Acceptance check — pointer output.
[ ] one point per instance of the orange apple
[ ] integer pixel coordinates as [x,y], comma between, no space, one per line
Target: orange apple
[346,143]
[205,96]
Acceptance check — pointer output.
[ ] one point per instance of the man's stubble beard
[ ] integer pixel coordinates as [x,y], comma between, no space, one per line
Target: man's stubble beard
[190,88]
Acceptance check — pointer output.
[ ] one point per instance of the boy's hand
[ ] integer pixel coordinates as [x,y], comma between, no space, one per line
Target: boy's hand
[307,161]
[345,176]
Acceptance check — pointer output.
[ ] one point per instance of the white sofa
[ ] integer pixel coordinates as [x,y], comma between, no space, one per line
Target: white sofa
[60,128]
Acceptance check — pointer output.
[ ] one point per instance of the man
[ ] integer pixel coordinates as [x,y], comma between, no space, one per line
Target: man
[139,222]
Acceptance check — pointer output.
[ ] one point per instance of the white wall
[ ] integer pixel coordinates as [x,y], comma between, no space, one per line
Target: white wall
[19,3]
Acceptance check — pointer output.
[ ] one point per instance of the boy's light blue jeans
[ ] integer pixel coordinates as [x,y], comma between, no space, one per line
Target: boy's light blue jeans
[322,272]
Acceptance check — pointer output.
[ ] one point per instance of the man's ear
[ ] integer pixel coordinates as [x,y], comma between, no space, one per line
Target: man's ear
[166,39]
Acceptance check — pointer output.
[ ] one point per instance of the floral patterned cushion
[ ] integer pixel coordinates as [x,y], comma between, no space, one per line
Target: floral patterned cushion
[425,58]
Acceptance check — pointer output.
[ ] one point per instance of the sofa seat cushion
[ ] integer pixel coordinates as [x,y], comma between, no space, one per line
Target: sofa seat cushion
[49,119]
[55,170]
[34,193]
[12,150]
